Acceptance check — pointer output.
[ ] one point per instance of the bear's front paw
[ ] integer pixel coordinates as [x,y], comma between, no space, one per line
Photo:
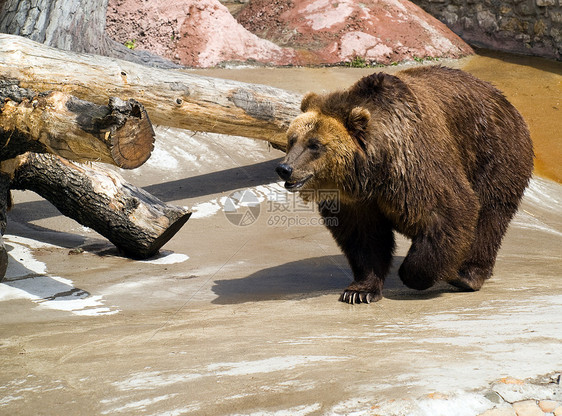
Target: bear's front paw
[357,296]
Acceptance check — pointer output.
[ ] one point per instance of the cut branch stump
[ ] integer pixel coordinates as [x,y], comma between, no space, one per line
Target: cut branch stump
[119,133]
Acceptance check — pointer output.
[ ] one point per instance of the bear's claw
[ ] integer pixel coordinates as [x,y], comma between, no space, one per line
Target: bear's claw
[354,297]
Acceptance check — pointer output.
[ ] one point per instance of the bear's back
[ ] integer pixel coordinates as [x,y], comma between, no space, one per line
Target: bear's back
[490,135]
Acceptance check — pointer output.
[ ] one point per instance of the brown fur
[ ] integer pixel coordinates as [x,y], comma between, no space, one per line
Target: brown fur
[433,153]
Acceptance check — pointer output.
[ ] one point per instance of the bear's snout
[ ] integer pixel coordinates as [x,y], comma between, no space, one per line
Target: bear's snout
[284,171]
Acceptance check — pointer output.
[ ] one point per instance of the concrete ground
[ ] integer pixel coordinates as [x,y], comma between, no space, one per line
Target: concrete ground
[240,315]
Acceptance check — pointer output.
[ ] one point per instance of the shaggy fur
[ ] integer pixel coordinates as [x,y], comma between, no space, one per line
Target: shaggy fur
[433,153]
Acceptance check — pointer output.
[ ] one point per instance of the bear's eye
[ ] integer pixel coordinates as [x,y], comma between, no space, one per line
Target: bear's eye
[292,141]
[314,145]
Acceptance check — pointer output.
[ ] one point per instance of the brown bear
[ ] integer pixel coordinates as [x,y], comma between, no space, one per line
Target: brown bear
[433,153]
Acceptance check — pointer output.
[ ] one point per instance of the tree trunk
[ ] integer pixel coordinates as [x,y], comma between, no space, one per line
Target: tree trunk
[119,133]
[138,223]
[72,25]
[171,97]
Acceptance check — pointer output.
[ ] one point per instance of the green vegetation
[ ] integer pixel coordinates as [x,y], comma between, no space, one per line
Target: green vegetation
[425,59]
[131,44]
[358,62]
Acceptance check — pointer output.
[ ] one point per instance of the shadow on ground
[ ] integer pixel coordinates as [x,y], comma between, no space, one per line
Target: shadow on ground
[216,182]
[196,186]
[308,278]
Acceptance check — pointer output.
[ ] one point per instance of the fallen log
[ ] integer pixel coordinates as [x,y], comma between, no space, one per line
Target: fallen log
[138,223]
[119,133]
[171,97]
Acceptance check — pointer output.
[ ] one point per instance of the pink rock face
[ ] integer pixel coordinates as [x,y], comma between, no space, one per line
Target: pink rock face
[202,33]
[199,33]
[381,31]
[210,35]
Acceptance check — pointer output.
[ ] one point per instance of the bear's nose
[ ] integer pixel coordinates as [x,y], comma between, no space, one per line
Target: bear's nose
[284,171]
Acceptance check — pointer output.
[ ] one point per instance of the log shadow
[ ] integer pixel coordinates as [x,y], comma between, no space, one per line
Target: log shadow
[94,244]
[22,216]
[216,182]
[192,187]
[309,278]
[27,212]
[38,286]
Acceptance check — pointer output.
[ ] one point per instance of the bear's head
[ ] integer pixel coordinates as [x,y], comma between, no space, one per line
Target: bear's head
[342,135]
[322,145]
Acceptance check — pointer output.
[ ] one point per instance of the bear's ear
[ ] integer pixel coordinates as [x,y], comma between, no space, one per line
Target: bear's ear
[356,123]
[375,83]
[383,89]
[358,119]
[310,100]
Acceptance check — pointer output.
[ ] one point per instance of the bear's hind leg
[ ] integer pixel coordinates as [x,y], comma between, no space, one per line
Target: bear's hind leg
[478,267]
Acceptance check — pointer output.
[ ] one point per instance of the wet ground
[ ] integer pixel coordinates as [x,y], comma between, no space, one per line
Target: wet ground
[239,315]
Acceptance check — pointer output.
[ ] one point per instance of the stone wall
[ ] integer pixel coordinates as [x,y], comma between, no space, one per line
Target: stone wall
[532,27]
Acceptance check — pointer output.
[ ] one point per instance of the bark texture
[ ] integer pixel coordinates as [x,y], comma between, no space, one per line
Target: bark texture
[138,223]
[71,25]
[119,133]
[171,97]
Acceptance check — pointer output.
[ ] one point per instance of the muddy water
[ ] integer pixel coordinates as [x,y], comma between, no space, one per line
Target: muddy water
[533,85]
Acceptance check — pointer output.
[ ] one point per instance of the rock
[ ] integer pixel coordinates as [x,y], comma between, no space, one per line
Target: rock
[544,3]
[202,33]
[527,408]
[493,397]
[381,31]
[516,26]
[199,33]
[526,391]
[487,21]
[548,406]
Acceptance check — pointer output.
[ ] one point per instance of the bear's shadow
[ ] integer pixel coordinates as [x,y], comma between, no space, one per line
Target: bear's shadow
[313,277]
